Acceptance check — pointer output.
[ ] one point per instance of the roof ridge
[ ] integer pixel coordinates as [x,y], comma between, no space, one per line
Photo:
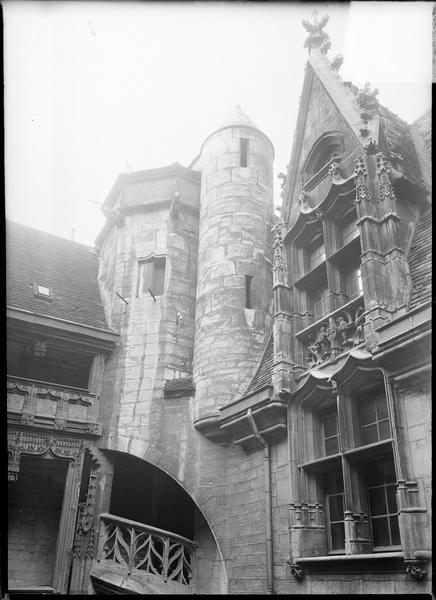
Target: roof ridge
[48,233]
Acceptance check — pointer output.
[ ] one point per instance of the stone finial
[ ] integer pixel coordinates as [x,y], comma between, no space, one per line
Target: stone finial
[317,37]
[337,62]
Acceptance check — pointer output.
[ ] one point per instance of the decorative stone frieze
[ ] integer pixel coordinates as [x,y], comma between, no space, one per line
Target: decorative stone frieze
[39,444]
[337,335]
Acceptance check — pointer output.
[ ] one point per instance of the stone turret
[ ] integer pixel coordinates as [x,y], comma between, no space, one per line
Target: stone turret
[234,288]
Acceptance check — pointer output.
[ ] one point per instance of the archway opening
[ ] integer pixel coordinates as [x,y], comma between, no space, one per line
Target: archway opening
[142,492]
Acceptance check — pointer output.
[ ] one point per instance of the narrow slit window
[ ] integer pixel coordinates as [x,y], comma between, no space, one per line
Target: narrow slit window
[248,291]
[243,152]
[152,276]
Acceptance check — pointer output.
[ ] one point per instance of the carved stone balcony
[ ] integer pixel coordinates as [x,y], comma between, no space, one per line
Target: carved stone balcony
[137,558]
[51,406]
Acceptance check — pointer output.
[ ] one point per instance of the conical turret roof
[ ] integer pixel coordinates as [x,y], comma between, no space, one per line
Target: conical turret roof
[236,118]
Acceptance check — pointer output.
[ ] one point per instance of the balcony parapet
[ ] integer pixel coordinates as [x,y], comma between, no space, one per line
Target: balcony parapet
[142,558]
[52,406]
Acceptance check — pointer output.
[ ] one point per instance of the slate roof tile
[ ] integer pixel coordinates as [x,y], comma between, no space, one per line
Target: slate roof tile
[263,374]
[69,268]
[420,261]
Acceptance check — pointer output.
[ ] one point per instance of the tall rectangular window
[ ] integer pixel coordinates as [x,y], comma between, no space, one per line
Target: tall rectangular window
[248,291]
[334,488]
[151,276]
[374,419]
[353,283]
[381,481]
[243,155]
[330,433]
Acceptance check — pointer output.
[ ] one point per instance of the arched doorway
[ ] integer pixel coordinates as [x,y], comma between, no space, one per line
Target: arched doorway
[154,539]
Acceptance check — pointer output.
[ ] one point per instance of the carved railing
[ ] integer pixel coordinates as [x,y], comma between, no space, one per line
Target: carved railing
[140,547]
[51,405]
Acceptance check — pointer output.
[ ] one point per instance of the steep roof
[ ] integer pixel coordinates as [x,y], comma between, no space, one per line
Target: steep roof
[68,268]
[263,374]
[420,261]
[397,134]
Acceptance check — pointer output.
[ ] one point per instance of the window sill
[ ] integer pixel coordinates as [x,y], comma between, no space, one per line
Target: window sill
[346,557]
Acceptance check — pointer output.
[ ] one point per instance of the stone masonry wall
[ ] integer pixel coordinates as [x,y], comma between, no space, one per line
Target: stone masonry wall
[234,241]
[34,509]
[155,344]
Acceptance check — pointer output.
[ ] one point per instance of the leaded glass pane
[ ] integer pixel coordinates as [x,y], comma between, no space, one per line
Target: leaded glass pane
[395,531]
[392,499]
[337,532]
[382,407]
[377,501]
[384,430]
[331,446]
[370,434]
[367,412]
[336,507]
[330,425]
[380,532]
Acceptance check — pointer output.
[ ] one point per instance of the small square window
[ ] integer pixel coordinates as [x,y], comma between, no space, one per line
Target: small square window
[42,291]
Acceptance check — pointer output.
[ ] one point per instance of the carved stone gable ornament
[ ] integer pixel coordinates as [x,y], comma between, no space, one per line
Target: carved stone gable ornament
[337,62]
[40,349]
[317,37]
[366,98]
[360,173]
[279,256]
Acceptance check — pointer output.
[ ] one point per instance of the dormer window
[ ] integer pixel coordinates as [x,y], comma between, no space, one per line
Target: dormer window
[42,291]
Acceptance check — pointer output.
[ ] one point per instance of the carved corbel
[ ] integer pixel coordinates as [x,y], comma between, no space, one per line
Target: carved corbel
[297,571]
[414,570]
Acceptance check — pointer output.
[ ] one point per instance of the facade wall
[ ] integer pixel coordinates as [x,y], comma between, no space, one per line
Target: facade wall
[34,508]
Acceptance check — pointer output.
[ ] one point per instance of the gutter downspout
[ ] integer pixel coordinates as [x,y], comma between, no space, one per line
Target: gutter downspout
[268,503]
